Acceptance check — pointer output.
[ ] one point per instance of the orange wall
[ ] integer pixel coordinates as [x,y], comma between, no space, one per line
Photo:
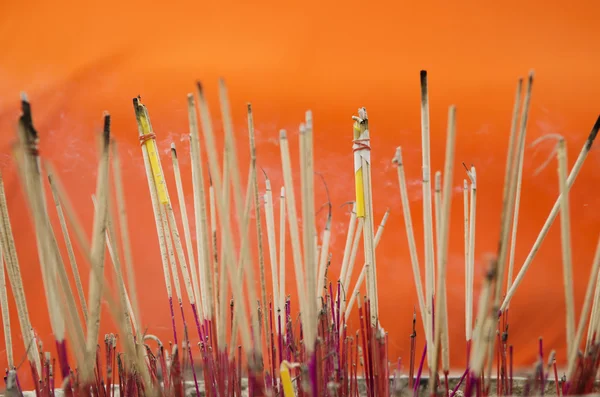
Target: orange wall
[76,60]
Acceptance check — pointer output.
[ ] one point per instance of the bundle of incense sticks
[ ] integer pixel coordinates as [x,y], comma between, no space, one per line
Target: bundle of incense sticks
[314,353]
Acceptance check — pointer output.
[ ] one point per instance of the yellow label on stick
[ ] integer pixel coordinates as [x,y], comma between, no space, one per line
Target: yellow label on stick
[159,180]
[358,176]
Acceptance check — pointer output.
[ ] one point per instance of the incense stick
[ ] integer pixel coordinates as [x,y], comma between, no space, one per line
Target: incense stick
[282,261]
[553,213]
[206,279]
[472,174]
[70,250]
[437,205]
[270,220]
[124,229]
[364,206]
[583,318]
[349,239]
[186,227]
[5,313]
[565,228]
[412,247]
[427,213]
[466,241]
[441,321]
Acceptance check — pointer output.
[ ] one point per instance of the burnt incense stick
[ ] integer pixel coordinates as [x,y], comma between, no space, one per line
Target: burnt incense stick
[186,226]
[441,310]
[97,253]
[427,213]
[553,213]
[5,314]
[412,247]
[70,250]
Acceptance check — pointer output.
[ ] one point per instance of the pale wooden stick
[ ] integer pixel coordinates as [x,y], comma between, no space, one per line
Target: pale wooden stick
[211,150]
[321,284]
[412,247]
[565,229]
[361,276]
[96,284]
[471,269]
[427,213]
[124,229]
[30,174]
[117,268]
[215,248]
[348,246]
[441,314]
[466,240]
[593,316]
[154,198]
[16,282]
[293,221]
[270,220]
[70,250]
[509,159]
[508,200]
[353,253]
[186,225]
[583,318]
[553,213]
[282,260]
[205,277]
[308,220]
[437,206]
[259,233]
[483,324]
[362,152]
[5,314]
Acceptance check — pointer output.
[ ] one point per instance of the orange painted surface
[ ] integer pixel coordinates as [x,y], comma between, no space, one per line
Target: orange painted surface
[76,60]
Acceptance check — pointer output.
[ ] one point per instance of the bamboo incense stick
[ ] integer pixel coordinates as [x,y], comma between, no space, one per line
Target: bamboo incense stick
[412,247]
[293,221]
[70,250]
[270,221]
[97,253]
[186,227]
[258,223]
[308,220]
[214,241]
[206,279]
[282,261]
[353,253]
[472,174]
[206,123]
[349,239]
[5,314]
[441,313]
[466,241]
[553,213]
[509,195]
[565,228]
[124,229]
[324,254]
[427,213]
[364,205]
[437,205]
[583,318]
[16,282]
